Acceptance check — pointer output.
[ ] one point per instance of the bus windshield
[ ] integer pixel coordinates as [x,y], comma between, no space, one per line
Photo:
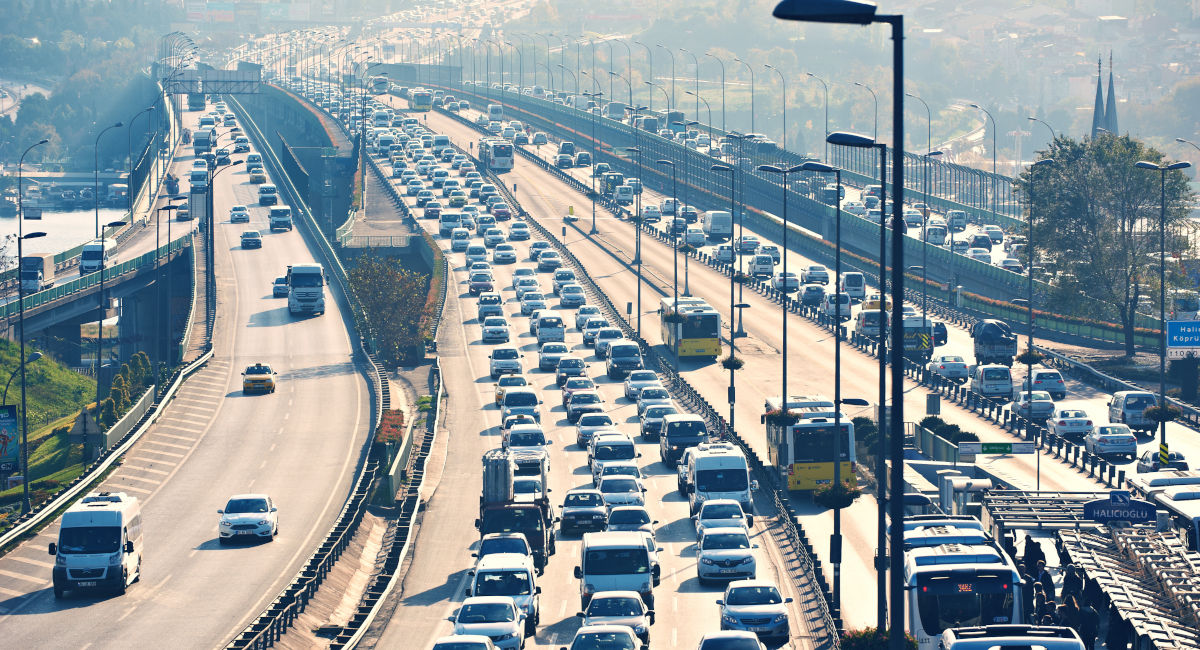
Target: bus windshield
[947,600]
[701,327]
[814,443]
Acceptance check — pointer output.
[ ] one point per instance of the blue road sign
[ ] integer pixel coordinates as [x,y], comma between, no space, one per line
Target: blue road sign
[1183,334]
[1119,507]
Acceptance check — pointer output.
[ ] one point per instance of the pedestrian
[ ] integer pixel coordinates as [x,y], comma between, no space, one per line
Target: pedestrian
[1047,608]
[1072,581]
[1089,625]
[1064,558]
[1027,593]
[1118,630]
[1068,615]
[1033,553]
[1010,546]
[1047,580]
[1092,593]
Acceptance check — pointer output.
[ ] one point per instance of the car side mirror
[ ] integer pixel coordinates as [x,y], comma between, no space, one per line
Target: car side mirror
[658,550]
[274,509]
[650,615]
[53,548]
[691,489]
[537,590]
[128,547]
[474,555]
[787,600]
[220,512]
[578,573]
[477,522]
[721,602]
[754,485]
[754,546]
[654,523]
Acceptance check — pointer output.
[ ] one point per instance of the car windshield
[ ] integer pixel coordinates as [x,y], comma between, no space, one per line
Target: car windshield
[526,439]
[655,393]
[550,323]
[503,545]
[616,561]
[595,421]
[486,613]
[570,363]
[1114,430]
[952,359]
[520,399]
[533,296]
[1139,402]
[481,277]
[721,511]
[494,321]
[618,485]
[596,323]
[625,351]
[996,374]
[527,486]
[642,375]
[725,541]
[583,500]
[721,480]
[502,583]
[637,517]
[656,413]
[554,348]
[89,539]
[585,398]
[615,607]
[614,451]
[603,641]
[503,353]
[243,506]
[513,380]
[753,596]
[258,370]
[579,383]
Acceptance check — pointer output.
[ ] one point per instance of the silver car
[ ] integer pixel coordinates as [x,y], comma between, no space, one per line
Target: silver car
[639,379]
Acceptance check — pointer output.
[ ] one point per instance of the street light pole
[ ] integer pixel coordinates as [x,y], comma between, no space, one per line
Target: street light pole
[783,83]
[671,104]
[875,129]
[650,77]
[707,106]
[751,70]
[826,103]
[732,399]
[722,64]
[1029,299]
[675,250]
[25,504]
[1162,291]
[696,93]
[993,183]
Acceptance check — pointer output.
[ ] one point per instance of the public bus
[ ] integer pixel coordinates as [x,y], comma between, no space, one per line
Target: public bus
[380,85]
[802,450]
[691,327]
[420,99]
[496,154]
[958,584]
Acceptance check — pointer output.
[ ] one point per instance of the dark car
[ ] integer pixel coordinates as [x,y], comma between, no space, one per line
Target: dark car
[222,157]
[569,367]
[583,402]
[480,283]
[811,295]
[622,358]
[981,241]
[940,333]
[583,510]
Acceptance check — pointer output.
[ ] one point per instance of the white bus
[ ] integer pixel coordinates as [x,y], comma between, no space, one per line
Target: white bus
[496,154]
[96,253]
[956,576]
[99,544]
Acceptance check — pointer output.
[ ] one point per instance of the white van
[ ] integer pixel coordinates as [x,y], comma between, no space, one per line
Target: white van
[615,561]
[99,544]
[867,323]
[460,238]
[509,574]
[718,224]
[762,265]
[623,194]
[447,222]
[495,112]
[280,217]
[957,220]
[836,305]
[991,380]
[96,253]
[854,285]
[550,327]
[935,234]
[1128,407]
[718,470]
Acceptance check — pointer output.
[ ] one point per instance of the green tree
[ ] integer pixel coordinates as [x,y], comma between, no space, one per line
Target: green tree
[393,300]
[1096,219]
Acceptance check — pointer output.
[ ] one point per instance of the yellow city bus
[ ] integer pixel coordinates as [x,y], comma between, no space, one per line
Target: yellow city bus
[692,327]
[420,99]
[802,450]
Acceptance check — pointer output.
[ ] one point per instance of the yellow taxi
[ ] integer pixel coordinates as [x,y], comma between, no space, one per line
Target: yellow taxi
[874,301]
[508,381]
[257,175]
[258,378]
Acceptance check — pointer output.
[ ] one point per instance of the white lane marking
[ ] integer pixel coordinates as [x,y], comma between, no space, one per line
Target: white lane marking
[177,427]
[134,488]
[29,560]
[127,613]
[172,454]
[148,469]
[12,593]
[22,576]
[138,478]
[172,445]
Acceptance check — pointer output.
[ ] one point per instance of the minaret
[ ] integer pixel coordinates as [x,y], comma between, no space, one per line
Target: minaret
[1110,108]
[1098,121]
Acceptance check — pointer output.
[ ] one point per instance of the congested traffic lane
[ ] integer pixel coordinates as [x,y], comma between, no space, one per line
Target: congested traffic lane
[810,352]
[298,444]
[685,610]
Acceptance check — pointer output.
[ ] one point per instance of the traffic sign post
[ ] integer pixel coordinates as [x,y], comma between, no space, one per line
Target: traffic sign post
[968,450]
[1183,339]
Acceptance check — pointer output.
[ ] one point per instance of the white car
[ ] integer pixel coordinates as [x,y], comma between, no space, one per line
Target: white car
[505,361]
[463,642]
[622,491]
[1072,424]
[531,301]
[651,213]
[504,254]
[496,617]
[239,214]
[720,513]
[248,516]
[815,274]
[619,608]
[652,396]
[755,606]
[495,330]
[785,282]
[629,518]
[949,366]
[605,637]
[639,379]
[668,206]
[571,295]
[1111,440]
[725,554]
[523,285]
[585,310]
[980,255]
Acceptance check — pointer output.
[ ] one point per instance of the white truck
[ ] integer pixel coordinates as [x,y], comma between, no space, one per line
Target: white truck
[95,253]
[280,217]
[718,224]
[718,470]
[306,288]
[37,272]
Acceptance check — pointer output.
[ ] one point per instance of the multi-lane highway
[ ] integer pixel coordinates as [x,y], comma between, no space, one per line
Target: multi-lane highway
[212,442]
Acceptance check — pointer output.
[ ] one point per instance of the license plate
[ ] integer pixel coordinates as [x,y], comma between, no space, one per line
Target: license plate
[760,629]
[729,570]
[245,532]
[87,583]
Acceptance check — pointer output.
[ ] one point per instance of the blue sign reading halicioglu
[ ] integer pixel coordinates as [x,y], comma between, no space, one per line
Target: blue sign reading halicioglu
[1119,507]
[1183,333]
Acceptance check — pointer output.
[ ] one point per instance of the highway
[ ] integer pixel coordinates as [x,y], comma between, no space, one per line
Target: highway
[810,353]
[211,442]
[437,577]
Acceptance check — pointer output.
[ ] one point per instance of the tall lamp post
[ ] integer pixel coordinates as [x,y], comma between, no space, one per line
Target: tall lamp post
[96,177]
[993,183]
[751,71]
[1053,135]
[720,167]
[1029,299]
[671,104]
[696,93]
[21,237]
[129,155]
[929,156]
[783,84]
[825,102]
[674,245]
[1162,291]
[722,64]
[875,98]
[649,77]
[595,96]
[862,13]
[706,105]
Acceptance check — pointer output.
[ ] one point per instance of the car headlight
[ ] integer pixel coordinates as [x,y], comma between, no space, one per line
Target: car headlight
[639,629]
[263,522]
[115,558]
[506,637]
[225,523]
[748,560]
[60,560]
[708,561]
[728,620]
[780,618]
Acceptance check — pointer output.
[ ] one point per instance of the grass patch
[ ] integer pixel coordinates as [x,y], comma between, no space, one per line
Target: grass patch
[52,459]
[424,403]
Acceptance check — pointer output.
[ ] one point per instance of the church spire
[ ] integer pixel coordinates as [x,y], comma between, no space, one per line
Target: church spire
[1098,121]
[1110,108]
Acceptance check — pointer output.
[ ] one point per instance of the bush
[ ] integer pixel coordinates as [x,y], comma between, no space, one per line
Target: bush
[1165,413]
[964,436]
[1029,357]
[933,423]
[866,431]
[779,418]
[732,363]
[870,638]
[835,496]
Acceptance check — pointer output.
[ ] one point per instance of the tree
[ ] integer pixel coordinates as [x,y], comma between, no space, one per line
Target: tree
[393,300]
[1096,221]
